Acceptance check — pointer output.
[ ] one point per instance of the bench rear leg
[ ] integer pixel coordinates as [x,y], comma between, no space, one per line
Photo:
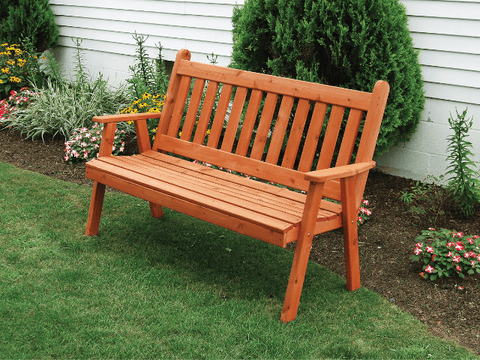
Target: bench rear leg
[156,210]
[95,210]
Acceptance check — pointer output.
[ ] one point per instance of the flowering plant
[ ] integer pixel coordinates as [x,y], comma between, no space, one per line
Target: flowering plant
[147,104]
[16,101]
[447,253]
[14,67]
[364,213]
[85,144]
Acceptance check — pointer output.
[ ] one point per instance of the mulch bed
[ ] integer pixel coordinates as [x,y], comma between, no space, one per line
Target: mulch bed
[449,307]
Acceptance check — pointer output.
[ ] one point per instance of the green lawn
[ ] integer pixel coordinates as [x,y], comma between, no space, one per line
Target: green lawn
[172,288]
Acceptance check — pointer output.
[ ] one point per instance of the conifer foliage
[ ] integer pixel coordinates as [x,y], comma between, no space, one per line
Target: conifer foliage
[347,43]
[28,19]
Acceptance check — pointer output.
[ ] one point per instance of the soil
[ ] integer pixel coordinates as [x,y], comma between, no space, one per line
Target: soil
[448,306]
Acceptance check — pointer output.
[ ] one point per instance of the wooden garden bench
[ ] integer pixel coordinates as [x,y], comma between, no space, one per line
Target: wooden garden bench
[223,117]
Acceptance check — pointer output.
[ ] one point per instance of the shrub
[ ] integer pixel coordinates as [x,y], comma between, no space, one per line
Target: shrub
[148,75]
[347,43]
[446,253]
[464,184]
[32,19]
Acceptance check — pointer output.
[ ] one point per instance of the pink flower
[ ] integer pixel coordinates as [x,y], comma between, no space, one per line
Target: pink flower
[459,246]
[466,255]
[83,144]
[450,244]
[66,157]
[459,268]
[470,240]
[449,254]
[433,257]
[430,249]
[459,234]
[419,245]
[456,259]
[365,202]
[422,274]
[85,154]
[432,229]
[417,251]
[360,220]
[429,269]
[472,254]
[473,262]
[478,257]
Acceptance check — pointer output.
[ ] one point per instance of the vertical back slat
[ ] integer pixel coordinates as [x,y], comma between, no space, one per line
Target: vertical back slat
[191,117]
[311,142]
[179,106]
[220,114]
[234,119]
[330,139]
[278,135]
[206,112]
[249,122]
[349,137]
[264,126]
[296,134]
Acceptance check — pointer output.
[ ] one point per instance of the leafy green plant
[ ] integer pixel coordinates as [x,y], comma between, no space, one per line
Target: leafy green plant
[34,19]
[464,183]
[446,253]
[84,144]
[348,43]
[426,198]
[148,75]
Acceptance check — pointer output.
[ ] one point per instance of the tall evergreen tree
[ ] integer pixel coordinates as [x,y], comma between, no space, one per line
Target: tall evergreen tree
[347,43]
[28,19]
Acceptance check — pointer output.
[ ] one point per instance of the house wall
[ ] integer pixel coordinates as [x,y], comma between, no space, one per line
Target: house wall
[446,33]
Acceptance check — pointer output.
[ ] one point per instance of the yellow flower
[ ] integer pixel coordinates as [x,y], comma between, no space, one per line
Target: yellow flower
[1,81]
[146,96]
[15,79]
[11,62]
[6,70]
[207,132]
[21,62]
[180,134]
[129,122]
[4,44]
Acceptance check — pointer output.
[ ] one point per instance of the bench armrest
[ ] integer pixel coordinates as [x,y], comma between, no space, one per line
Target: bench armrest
[125,117]
[141,129]
[320,176]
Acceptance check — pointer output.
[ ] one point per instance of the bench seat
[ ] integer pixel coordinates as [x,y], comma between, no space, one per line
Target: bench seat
[270,213]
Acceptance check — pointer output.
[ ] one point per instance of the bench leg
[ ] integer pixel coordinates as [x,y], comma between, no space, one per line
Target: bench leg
[156,210]
[350,233]
[95,211]
[302,253]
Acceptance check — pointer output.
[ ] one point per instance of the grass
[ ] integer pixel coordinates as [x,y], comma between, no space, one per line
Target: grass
[172,288]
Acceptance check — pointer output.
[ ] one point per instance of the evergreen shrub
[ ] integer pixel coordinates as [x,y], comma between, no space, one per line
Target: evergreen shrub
[28,19]
[346,43]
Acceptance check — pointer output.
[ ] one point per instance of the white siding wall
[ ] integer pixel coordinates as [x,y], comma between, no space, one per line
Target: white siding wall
[447,33]
[107,26]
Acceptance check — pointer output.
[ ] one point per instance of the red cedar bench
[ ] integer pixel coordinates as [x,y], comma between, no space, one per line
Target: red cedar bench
[276,215]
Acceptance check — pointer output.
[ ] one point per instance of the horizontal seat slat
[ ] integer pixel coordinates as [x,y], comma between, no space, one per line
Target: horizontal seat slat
[213,190]
[280,192]
[190,196]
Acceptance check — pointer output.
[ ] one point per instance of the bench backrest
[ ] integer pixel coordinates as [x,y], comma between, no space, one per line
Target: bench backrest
[266,126]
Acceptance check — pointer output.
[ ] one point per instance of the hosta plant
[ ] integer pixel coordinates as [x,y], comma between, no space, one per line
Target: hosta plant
[446,253]
[84,144]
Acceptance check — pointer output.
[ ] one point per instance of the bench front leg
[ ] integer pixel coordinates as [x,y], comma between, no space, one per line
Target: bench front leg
[302,252]
[95,210]
[350,231]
